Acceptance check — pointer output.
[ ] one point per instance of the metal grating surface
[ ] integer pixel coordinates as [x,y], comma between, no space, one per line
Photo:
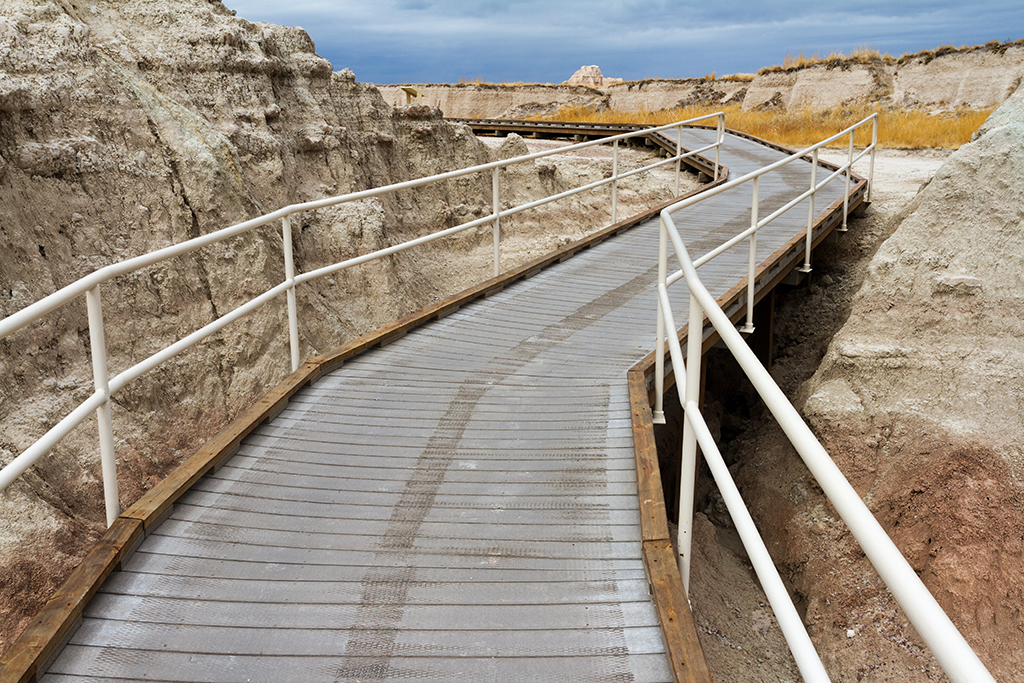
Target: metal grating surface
[459,505]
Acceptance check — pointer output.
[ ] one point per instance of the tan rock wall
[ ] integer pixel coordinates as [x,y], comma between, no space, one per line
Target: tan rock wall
[463,101]
[816,87]
[657,95]
[978,79]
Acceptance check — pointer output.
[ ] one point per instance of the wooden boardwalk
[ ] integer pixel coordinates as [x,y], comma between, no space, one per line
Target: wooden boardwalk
[458,505]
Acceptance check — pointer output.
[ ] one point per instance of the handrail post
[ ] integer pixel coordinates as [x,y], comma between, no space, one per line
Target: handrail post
[806,268]
[718,140]
[658,412]
[496,201]
[688,462]
[751,262]
[871,167]
[615,182]
[679,152]
[289,275]
[849,174]
[101,376]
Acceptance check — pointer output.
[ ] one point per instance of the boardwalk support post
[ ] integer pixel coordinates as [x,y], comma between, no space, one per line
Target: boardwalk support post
[615,182]
[752,259]
[658,413]
[806,267]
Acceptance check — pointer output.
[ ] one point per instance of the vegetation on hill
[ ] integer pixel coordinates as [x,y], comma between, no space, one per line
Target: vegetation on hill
[868,55]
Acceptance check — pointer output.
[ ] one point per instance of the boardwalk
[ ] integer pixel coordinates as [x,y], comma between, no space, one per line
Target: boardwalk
[458,505]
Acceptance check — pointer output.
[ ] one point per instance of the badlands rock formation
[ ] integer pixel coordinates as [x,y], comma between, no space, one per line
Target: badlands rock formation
[590,75]
[979,77]
[129,126]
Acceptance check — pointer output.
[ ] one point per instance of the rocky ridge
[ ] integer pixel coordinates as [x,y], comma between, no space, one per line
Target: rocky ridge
[981,77]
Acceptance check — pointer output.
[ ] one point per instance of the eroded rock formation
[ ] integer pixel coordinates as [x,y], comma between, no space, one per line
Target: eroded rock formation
[592,76]
[129,126]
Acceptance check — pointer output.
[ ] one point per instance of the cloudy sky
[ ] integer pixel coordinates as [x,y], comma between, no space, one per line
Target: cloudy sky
[417,41]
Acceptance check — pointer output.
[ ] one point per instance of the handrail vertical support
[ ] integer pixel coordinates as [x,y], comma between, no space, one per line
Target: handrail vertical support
[289,275]
[658,412]
[806,268]
[496,201]
[846,193]
[719,140]
[615,182]
[679,153]
[101,376]
[752,260]
[871,166]
[688,463]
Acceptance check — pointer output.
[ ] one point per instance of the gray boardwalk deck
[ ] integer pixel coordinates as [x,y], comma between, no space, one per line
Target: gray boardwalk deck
[459,505]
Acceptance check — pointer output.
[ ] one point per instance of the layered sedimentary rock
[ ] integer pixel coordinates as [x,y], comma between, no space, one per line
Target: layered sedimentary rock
[485,100]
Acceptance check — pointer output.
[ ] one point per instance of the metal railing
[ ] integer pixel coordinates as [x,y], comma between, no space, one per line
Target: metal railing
[953,653]
[756,223]
[106,386]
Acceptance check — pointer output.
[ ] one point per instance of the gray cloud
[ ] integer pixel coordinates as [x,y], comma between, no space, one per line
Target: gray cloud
[392,41]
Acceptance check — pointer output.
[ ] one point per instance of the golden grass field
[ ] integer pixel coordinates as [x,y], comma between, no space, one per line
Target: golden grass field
[898,129]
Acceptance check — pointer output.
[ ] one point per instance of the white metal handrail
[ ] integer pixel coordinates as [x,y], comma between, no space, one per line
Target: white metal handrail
[954,655]
[106,386]
[754,178]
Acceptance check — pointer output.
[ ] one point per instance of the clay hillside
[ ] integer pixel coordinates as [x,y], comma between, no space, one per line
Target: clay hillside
[129,126]
[979,77]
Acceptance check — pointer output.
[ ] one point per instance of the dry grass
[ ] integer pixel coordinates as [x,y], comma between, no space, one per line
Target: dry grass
[901,129]
[479,80]
[869,55]
[862,55]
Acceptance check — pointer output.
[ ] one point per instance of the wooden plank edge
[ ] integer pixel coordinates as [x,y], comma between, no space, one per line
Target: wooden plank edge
[653,516]
[686,656]
[43,637]
[48,630]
